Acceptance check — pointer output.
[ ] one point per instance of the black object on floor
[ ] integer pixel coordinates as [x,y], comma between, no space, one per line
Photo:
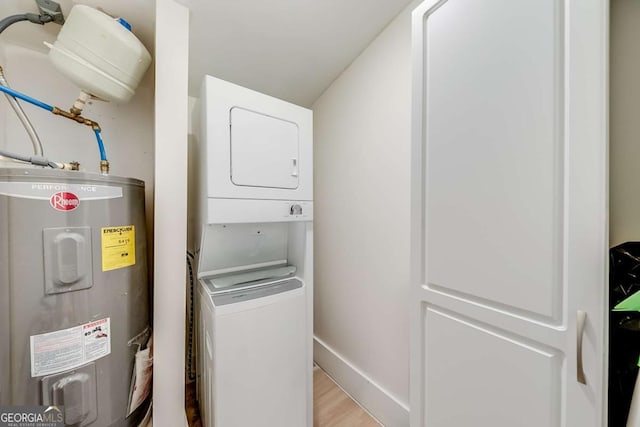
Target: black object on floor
[624,331]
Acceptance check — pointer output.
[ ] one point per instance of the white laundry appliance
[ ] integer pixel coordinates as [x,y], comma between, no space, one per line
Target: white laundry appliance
[255,258]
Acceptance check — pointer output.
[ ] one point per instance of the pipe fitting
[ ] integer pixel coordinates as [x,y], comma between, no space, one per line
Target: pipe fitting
[79,119]
[78,105]
[71,166]
[104,167]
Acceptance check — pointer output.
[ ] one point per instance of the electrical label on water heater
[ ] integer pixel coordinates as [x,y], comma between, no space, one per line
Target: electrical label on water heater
[59,351]
[118,247]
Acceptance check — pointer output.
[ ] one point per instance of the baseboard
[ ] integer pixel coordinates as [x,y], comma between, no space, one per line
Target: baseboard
[375,399]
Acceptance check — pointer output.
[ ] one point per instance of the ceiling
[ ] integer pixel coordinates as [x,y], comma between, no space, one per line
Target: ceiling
[291,49]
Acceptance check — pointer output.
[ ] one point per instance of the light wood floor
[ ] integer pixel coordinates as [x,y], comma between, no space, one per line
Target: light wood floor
[332,407]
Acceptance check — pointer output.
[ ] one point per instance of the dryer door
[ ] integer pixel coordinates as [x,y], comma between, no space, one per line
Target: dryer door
[264,150]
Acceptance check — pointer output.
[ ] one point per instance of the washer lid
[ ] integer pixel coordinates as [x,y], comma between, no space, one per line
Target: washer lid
[254,291]
[253,275]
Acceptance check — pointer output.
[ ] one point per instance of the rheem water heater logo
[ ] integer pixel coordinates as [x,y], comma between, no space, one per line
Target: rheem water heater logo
[64,201]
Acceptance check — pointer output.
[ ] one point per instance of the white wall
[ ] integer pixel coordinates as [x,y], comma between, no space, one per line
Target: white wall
[362,166]
[625,122]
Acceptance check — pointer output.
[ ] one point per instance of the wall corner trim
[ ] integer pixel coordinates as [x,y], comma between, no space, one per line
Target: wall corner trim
[170,201]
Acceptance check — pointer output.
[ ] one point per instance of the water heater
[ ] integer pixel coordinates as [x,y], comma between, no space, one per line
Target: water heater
[73,294]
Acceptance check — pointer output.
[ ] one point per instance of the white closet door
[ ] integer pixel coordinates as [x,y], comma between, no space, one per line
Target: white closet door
[509,213]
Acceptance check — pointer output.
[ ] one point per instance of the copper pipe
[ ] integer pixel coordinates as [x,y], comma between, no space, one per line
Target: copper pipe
[79,119]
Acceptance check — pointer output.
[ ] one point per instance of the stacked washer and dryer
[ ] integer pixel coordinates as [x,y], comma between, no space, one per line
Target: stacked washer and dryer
[254,234]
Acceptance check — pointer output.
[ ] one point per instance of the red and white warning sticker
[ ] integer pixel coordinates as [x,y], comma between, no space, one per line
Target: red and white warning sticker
[65,349]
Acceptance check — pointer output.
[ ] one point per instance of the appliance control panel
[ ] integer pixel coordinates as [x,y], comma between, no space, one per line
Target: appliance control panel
[225,211]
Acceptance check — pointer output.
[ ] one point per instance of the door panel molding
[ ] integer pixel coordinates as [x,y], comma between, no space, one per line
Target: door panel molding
[538,397]
[460,84]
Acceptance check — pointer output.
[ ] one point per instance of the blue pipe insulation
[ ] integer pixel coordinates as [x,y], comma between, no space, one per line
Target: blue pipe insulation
[103,154]
[26,98]
[30,100]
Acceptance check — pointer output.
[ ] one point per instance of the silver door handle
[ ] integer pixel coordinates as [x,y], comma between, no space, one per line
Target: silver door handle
[580,323]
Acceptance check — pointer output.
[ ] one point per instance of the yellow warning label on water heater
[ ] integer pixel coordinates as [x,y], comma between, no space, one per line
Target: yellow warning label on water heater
[118,247]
